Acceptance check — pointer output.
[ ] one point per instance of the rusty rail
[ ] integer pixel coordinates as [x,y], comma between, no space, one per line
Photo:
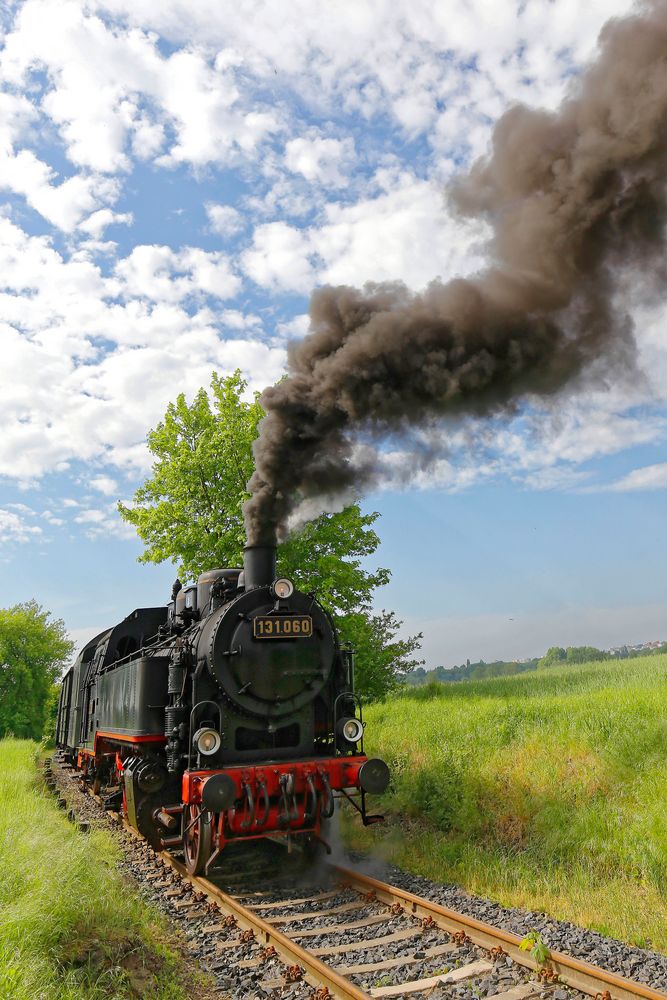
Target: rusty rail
[572,972]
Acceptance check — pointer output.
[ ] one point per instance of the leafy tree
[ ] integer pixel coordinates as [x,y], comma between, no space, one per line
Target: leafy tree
[190,510]
[573,654]
[585,654]
[552,657]
[51,714]
[382,661]
[33,652]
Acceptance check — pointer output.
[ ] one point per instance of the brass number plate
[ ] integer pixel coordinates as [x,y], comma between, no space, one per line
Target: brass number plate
[282,626]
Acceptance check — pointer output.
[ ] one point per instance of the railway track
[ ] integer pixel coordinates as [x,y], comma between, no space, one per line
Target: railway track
[348,935]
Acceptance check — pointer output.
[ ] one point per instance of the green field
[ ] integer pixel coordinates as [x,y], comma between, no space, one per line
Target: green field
[69,927]
[546,790]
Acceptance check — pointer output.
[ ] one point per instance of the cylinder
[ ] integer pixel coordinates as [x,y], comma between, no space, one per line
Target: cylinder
[259,566]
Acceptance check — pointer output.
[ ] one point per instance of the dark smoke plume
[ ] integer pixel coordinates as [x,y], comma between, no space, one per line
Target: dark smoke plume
[576,200]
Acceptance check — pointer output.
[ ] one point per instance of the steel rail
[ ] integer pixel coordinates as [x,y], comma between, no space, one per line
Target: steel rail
[572,972]
[317,973]
[580,975]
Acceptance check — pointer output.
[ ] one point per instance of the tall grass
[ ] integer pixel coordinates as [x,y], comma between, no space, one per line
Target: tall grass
[546,790]
[69,927]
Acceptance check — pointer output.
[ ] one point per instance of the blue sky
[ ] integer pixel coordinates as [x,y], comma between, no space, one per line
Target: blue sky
[174,180]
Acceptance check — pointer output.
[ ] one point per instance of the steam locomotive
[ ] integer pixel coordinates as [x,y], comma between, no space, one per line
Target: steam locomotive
[227,715]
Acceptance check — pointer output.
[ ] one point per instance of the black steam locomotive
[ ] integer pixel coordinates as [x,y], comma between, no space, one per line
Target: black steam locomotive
[227,715]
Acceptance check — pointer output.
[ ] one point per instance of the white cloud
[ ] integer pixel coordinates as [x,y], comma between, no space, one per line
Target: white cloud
[13,528]
[320,160]
[109,86]
[575,429]
[96,223]
[294,328]
[280,258]
[404,232]
[224,89]
[224,219]
[94,404]
[104,484]
[51,518]
[104,522]
[650,477]
[379,59]
[162,275]
[556,477]
[63,205]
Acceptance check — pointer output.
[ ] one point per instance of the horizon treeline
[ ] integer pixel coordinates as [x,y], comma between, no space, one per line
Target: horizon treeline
[554,657]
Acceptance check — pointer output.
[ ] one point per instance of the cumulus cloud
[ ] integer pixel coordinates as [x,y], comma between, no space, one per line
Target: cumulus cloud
[104,356]
[402,232]
[317,116]
[15,528]
[650,477]
[387,59]
[104,484]
[280,258]
[104,522]
[109,88]
[96,223]
[160,274]
[62,204]
[224,219]
[320,160]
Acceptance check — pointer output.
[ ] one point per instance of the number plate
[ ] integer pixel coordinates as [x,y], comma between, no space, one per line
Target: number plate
[282,626]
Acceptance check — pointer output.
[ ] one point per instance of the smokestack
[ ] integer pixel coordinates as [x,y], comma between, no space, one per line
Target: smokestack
[259,566]
[577,203]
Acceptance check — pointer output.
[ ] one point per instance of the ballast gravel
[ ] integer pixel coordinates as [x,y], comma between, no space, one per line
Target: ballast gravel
[638,964]
[258,879]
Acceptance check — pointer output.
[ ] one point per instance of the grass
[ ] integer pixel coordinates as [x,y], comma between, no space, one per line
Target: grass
[545,790]
[69,927]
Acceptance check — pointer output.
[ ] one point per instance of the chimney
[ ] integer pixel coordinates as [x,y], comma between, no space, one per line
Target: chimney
[259,566]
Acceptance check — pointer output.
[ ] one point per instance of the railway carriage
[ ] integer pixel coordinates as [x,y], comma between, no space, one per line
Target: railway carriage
[228,714]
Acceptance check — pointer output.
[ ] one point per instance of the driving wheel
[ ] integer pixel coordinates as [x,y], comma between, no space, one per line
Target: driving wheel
[196,838]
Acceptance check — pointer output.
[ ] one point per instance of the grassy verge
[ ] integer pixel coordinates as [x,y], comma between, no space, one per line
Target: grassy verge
[545,790]
[69,927]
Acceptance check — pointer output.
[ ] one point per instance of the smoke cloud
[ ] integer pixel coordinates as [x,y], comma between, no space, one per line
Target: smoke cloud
[577,203]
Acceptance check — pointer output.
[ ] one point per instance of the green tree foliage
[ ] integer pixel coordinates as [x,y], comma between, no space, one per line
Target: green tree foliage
[33,651]
[469,672]
[573,654]
[190,510]
[553,656]
[382,660]
[585,654]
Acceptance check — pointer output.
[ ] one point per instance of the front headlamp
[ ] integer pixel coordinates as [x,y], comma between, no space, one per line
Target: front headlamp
[207,741]
[352,730]
[282,589]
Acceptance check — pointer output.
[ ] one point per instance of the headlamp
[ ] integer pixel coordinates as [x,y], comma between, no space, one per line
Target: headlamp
[207,741]
[283,589]
[352,730]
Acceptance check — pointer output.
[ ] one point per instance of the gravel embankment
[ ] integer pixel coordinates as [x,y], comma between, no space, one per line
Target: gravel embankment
[261,874]
[638,964]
